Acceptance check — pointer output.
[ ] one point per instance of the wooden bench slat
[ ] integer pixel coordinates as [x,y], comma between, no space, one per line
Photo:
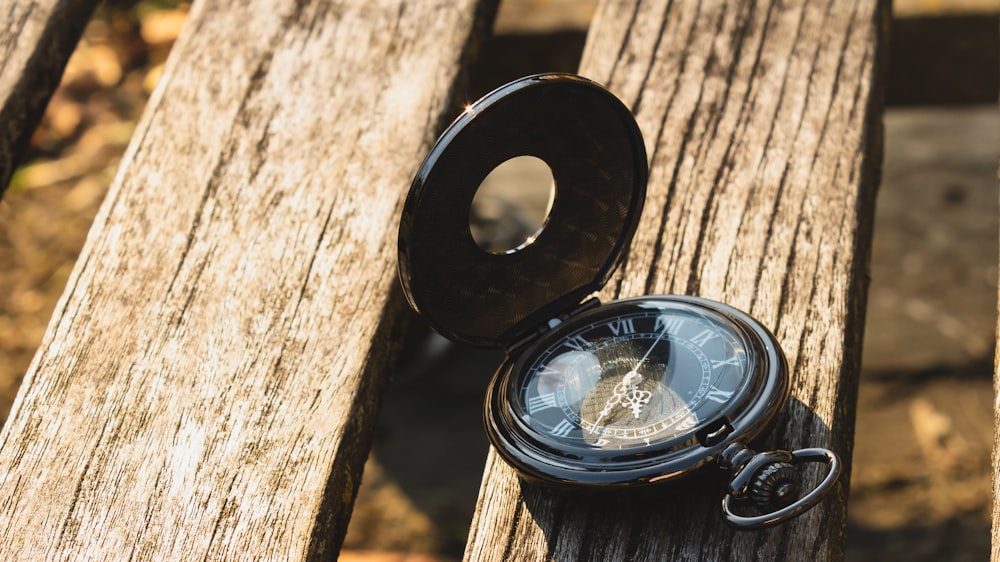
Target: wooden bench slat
[37,37]
[209,381]
[995,523]
[762,122]
[995,526]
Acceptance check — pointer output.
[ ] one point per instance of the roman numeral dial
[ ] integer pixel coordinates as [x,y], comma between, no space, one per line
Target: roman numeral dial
[631,377]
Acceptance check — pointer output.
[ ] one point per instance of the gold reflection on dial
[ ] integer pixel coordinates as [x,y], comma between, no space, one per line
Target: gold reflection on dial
[631,402]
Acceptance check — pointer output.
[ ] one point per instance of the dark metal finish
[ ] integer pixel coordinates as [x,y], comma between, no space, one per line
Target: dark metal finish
[541,459]
[528,301]
[777,485]
[593,146]
[771,480]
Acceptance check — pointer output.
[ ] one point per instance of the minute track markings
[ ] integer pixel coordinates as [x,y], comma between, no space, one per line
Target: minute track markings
[687,361]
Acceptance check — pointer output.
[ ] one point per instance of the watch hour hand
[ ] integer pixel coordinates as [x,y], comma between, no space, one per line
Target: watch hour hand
[636,399]
[627,394]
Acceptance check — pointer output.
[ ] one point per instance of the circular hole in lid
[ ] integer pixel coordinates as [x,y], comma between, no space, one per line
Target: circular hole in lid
[512,205]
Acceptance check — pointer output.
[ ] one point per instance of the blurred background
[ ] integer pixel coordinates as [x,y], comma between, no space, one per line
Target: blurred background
[921,482]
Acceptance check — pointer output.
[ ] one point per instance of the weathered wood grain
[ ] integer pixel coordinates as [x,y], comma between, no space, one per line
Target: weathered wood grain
[762,123]
[36,39]
[995,528]
[208,384]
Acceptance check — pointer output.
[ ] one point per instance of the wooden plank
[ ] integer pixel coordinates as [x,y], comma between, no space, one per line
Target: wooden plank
[995,528]
[37,37]
[762,122]
[208,384]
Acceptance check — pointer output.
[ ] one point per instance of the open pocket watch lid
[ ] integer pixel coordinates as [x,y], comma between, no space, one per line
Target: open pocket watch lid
[594,149]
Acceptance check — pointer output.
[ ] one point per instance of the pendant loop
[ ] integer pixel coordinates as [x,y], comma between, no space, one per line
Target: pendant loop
[771,480]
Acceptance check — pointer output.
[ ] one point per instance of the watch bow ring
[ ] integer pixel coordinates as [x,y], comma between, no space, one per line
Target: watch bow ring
[636,391]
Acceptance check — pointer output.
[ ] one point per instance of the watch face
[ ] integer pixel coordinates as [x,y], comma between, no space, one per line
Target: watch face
[635,379]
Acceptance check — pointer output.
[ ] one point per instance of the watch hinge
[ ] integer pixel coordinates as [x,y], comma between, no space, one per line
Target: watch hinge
[532,335]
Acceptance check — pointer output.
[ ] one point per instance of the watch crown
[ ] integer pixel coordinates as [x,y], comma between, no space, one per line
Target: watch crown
[775,486]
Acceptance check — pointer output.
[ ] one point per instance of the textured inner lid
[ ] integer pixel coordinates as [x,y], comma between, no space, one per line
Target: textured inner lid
[591,143]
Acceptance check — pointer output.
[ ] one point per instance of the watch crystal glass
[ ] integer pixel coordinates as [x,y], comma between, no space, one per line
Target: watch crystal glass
[632,374]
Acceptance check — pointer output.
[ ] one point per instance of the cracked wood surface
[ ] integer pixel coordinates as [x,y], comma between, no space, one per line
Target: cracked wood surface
[762,122]
[208,384]
[36,39]
[995,527]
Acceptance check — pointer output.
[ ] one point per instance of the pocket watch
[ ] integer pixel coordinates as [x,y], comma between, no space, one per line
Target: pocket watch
[632,392]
